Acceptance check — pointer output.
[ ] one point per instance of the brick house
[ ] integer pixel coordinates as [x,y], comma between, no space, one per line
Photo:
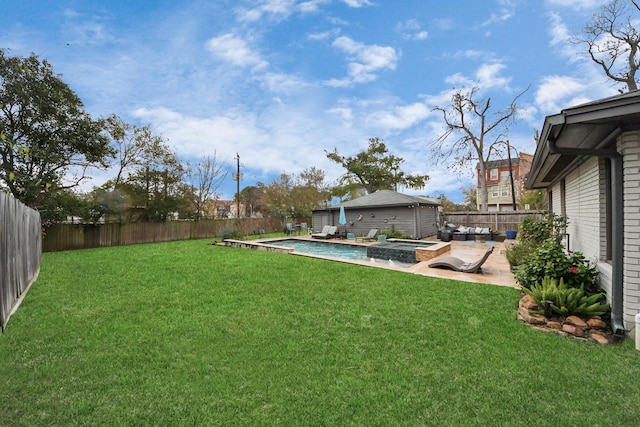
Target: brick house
[499,184]
[588,160]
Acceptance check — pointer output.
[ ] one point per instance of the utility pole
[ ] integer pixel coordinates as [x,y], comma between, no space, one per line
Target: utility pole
[238,186]
[513,190]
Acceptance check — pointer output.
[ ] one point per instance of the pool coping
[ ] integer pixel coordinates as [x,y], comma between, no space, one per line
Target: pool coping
[425,253]
[496,270]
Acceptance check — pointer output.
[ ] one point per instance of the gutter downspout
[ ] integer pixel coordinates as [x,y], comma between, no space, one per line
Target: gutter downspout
[617,220]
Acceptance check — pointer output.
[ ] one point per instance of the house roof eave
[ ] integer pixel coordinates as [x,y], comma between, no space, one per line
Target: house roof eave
[586,126]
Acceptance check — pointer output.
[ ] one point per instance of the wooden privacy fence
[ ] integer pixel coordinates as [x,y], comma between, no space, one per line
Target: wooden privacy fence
[496,221]
[62,237]
[20,253]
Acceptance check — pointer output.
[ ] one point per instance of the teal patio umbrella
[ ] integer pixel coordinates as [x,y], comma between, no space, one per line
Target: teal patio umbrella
[343,217]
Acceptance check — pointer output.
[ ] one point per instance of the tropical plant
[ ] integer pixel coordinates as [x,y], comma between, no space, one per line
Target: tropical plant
[566,300]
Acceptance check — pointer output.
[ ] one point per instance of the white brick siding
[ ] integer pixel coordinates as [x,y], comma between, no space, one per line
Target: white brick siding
[583,209]
[629,147]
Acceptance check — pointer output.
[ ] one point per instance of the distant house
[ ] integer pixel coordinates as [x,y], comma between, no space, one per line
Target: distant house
[588,160]
[413,216]
[499,183]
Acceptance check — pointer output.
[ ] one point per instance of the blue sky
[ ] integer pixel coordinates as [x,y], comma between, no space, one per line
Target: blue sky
[280,81]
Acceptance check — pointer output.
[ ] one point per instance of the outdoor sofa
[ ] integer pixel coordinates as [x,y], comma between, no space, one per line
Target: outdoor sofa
[467,233]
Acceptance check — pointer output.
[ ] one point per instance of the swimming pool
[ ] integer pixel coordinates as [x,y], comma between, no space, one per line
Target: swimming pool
[400,253]
[338,250]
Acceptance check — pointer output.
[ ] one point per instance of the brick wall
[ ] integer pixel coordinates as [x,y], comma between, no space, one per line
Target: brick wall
[629,146]
[582,206]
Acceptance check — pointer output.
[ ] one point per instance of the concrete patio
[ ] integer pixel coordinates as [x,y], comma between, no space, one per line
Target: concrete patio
[495,270]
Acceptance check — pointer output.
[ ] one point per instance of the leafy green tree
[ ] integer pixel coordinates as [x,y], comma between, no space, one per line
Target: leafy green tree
[536,199]
[374,169]
[470,198]
[47,141]
[108,205]
[252,197]
[154,182]
[131,143]
[296,195]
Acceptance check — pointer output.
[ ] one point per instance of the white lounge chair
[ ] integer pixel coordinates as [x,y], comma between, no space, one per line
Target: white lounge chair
[370,236]
[328,232]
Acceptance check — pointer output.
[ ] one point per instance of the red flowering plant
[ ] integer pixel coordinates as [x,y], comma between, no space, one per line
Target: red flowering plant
[581,273]
[550,260]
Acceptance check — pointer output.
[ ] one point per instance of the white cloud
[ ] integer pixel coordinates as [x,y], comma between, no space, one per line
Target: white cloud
[488,76]
[470,54]
[323,35]
[283,83]
[273,8]
[365,61]
[558,92]
[357,3]
[401,117]
[411,30]
[80,30]
[558,30]
[311,5]
[235,50]
[577,4]
[345,114]
[506,12]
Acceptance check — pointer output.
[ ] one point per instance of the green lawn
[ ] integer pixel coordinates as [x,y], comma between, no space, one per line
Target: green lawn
[185,333]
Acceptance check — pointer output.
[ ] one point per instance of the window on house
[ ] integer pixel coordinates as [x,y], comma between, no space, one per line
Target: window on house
[505,190]
[493,174]
[494,191]
[504,176]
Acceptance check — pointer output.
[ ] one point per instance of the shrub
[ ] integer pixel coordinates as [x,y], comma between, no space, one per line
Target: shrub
[537,231]
[532,234]
[550,260]
[518,253]
[565,300]
[232,233]
[581,273]
[393,234]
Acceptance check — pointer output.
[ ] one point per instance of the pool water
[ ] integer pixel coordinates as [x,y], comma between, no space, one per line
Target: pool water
[337,250]
[343,251]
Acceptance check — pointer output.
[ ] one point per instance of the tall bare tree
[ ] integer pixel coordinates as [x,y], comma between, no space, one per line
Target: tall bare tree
[206,176]
[481,136]
[613,41]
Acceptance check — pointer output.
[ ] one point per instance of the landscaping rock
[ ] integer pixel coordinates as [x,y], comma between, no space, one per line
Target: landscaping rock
[554,324]
[597,323]
[594,329]
[600,337]
[573,330]
[533,319]
[576,321]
